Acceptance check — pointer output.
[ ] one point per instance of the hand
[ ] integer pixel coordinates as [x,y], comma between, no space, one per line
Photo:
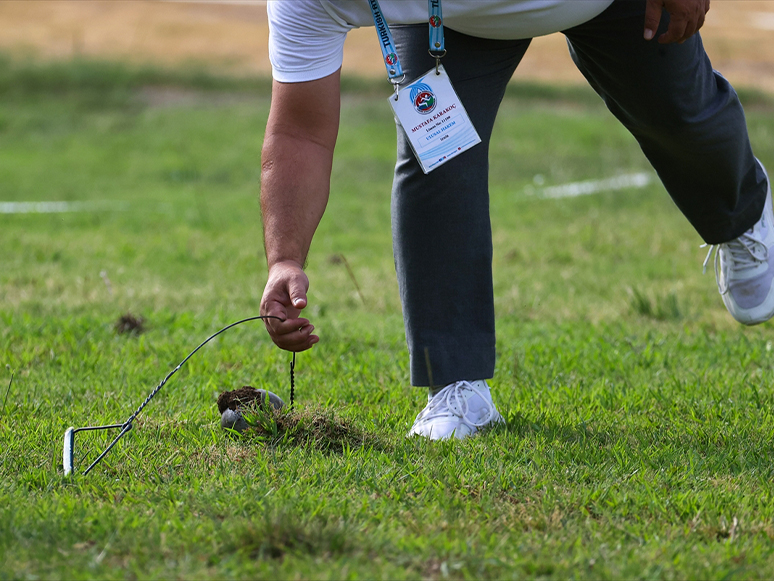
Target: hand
[284,297]
[686,18]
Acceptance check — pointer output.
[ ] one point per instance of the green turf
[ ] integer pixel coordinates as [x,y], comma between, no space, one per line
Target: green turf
[639,434]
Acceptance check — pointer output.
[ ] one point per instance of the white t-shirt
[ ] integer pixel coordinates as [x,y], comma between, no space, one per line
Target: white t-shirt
[306,37]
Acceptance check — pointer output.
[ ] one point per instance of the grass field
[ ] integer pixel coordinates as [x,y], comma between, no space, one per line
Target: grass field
[639,436]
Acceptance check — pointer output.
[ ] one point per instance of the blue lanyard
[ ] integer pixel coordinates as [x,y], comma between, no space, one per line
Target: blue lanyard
[389,52]
[437,46]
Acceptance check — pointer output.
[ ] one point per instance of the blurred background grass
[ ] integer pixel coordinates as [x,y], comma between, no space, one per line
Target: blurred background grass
[232,36]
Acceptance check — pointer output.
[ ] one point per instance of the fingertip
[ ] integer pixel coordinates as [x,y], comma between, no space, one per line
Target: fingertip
[649,34]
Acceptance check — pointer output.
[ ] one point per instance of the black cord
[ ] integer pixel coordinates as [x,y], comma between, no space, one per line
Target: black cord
[191,354]
[292,381]
[127,425]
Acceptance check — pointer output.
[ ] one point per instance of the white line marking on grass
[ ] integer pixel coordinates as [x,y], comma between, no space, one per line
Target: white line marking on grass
[584,188]
[61,207]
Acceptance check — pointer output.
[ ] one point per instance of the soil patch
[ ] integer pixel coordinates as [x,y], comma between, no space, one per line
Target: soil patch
[130,324]
[246,397]
[319,429]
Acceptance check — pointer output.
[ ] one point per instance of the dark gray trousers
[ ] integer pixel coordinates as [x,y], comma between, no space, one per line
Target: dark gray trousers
[686,118]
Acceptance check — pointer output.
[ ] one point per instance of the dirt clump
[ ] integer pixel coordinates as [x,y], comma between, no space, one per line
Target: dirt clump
[244,411]
[130,324]
[246,396]
[319,429]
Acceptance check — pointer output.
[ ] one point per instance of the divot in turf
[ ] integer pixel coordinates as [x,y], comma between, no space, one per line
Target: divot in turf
[319,429]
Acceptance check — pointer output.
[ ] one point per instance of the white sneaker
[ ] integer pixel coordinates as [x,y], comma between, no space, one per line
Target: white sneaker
[460,409]
[744,270]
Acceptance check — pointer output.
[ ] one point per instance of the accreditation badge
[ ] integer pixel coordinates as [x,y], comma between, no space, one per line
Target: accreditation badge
[434,120]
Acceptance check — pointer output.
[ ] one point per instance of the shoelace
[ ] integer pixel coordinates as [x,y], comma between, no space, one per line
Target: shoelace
[742,252]
[443,404]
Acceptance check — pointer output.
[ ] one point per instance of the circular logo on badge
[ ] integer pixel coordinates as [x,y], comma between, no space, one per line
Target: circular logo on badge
[423,98]
[391,59]
[435,21]
[424,102]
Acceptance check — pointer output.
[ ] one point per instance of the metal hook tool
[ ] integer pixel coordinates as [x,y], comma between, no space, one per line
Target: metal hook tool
[69,437]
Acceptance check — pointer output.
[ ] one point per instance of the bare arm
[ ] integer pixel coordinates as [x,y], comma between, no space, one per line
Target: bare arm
[296,165]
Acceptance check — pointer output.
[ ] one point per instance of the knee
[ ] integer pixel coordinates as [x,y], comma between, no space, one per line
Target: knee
[685,115]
